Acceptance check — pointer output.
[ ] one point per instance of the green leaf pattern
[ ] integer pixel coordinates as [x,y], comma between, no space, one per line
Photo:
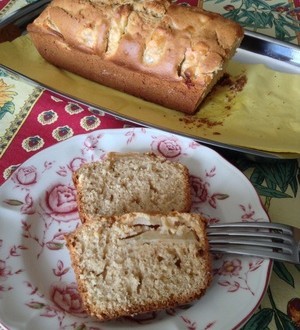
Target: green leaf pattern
[260,320]
[282,272]
[260,15]
[274,179]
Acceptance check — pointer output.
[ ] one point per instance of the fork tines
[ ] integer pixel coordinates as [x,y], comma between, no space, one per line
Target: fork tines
[261,239]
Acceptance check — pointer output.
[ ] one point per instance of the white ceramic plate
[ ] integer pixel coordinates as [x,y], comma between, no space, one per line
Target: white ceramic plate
[37,207]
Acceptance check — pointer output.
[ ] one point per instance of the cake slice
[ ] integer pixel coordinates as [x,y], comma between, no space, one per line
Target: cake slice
[131,182]
[137,262]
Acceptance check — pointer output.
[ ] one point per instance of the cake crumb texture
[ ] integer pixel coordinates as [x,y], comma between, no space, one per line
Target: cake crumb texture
[131,182]
[136,262]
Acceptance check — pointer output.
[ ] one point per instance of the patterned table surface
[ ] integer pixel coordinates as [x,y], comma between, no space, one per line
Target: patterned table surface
[33,118]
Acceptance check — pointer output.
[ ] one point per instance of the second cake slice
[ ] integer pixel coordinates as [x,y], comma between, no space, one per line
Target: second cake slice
[131,182]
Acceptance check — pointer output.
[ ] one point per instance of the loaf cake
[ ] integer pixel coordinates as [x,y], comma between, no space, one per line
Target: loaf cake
[131,182]
[137,263]
[164,53]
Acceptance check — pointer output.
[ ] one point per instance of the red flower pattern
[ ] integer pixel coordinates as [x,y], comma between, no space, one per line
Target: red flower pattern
[230,267]
[60,203]
[167,147]
[199,189]
[66,297]
[25,175]
[28,207]
[201,192]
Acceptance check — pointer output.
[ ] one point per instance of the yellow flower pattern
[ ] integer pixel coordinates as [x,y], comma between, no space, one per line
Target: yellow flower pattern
[6,93]
[6,97]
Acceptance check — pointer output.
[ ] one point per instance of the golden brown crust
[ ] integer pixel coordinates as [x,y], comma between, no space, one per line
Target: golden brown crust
[82,214]
[161,52]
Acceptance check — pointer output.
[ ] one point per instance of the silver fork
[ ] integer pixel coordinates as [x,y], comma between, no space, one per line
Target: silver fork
[262,239]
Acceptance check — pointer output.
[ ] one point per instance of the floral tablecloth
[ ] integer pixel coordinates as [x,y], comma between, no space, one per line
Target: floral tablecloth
[33,118]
